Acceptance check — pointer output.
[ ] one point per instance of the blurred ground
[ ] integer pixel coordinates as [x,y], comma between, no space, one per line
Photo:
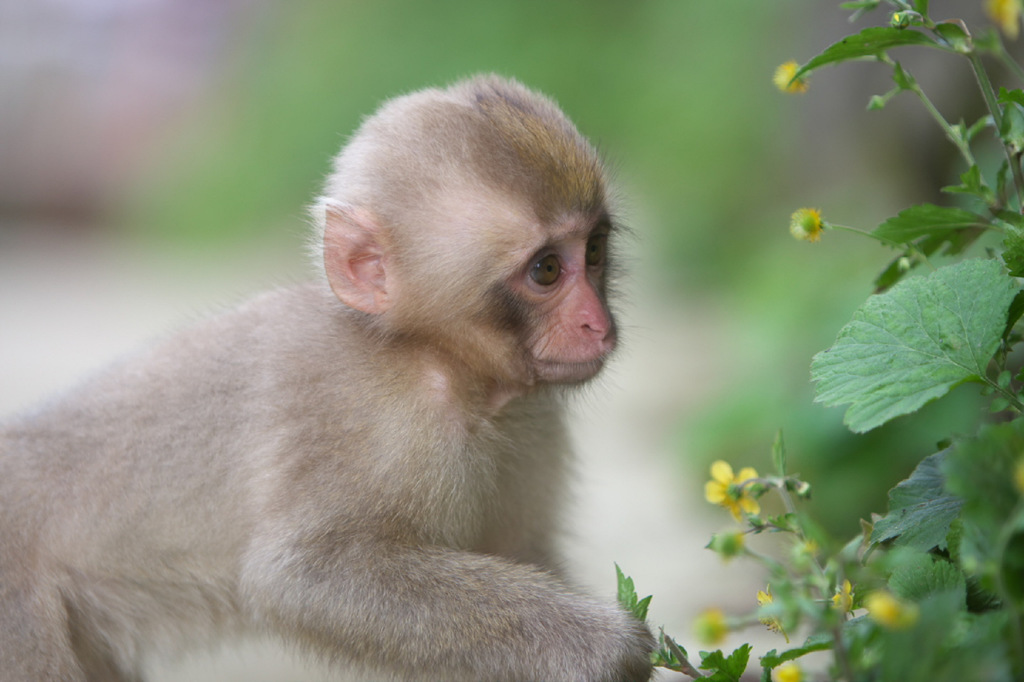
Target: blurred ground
[68,306]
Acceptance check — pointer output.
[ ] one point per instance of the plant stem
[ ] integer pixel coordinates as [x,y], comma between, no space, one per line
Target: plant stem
[958,141]
[787,501]
[901,6]
[837,632]
[989,96]
[911,248]
[684,666]
[1008,395]
[841,656]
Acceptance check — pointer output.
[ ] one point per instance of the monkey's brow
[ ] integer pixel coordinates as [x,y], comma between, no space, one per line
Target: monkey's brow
[583,226]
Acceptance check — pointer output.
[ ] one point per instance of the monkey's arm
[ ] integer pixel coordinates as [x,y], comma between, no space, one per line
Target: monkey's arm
[445,614]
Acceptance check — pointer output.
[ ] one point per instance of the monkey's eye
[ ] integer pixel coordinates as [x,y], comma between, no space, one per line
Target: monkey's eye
[595,249]
[546,271]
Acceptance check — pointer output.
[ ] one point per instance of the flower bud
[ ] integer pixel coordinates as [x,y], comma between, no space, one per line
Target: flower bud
[890,612]
[710,627]
[806,224]
[843,598]
[784,78]
[727,545]
[899,20]
[788,672]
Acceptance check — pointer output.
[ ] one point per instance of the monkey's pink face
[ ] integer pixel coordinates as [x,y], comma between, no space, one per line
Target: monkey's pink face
[572,331]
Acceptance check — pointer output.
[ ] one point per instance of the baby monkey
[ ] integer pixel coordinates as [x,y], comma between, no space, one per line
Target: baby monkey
[368,466]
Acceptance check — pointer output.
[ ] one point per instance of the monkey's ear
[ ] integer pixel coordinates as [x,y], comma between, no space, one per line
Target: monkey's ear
[354,258]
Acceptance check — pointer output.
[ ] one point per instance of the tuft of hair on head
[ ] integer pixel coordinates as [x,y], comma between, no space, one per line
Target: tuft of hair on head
[541,154]
[486,132]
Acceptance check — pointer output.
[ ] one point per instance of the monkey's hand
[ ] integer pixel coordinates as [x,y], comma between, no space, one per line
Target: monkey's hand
[444,614]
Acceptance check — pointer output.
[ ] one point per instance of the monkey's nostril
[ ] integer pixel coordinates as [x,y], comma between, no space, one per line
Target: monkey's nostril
[597,329]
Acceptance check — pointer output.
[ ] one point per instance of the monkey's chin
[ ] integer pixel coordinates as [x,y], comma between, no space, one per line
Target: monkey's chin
[553,372]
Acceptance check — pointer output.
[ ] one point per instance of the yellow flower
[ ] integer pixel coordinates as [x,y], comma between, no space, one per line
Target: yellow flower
[710,627]
[889,611]
[843,599]
[1018,476]
[1006,15]
[803,553]
[808,547]
[727,490]
[783,78]
[764,598]
[806,224]
[788,672]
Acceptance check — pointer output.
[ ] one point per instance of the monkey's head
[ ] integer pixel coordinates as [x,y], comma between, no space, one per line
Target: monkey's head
[472,222]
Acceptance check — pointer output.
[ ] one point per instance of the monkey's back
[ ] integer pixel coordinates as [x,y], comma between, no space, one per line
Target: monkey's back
[142,490]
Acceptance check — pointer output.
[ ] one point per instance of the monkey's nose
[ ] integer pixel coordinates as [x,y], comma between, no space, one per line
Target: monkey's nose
[596,324]
[604,336]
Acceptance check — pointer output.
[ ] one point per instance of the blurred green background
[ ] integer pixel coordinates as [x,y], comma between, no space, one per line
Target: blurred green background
[192,127]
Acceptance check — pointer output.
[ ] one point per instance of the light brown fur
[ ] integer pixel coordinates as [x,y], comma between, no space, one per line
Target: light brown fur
[375,479]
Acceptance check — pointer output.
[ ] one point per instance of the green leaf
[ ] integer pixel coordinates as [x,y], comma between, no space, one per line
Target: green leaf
[1012,129]
[788,522]
[983,472]
[915,342]
[955,33]
[955,242]
[978,126]
[860,4]
[982,469]
[859,7]
[1004,181]
[903,80]
[671,655]
[1008,96]
[725,669]
[896,269]
[641,608]
[817,642]
[1013,258]
[920,576]
[920,510]
[871,42]
[938,644]
[932,227]
[926,220]
[972,183]
[627,596]
[1015,312]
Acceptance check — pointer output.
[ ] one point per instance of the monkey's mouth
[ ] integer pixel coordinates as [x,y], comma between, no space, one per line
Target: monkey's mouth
[555,372]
